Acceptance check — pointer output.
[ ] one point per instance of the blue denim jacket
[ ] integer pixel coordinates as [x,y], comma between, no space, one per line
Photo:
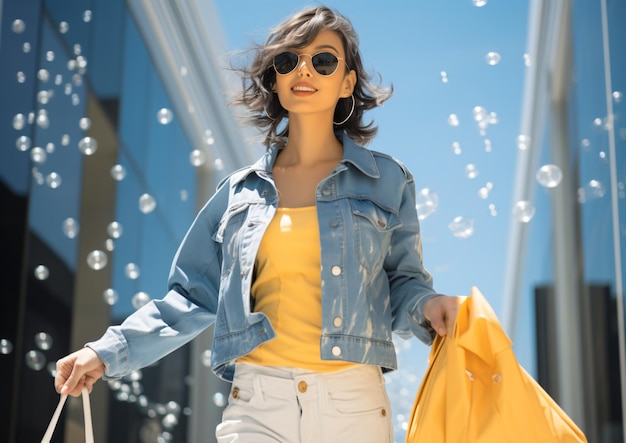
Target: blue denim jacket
[373,281]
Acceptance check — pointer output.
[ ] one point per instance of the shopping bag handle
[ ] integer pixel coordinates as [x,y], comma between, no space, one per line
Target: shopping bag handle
[55,418]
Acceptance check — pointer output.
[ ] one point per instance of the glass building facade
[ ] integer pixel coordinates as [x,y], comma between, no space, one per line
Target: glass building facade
[565,304]
[104,159]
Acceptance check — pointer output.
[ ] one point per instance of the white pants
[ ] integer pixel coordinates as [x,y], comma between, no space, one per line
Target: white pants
[285,405]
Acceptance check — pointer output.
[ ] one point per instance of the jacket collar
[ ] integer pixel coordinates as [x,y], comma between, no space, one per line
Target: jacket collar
[362,158]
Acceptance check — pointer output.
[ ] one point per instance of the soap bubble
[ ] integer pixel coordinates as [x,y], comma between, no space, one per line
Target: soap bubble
[88,145]
[471,171]
[426,202]
[84,123]
[20,76]
[462,227]
[492,58]
[444,76]
[19,120]
[219,399]
[118,172]
[110,296]
[43,75]
[453,120]
[456,148]
[115,229]
[44,341]
[197,157]
[164,116]
[479,3]
[524,211]
[23,143]
[87,16]
[42,119]
[18,26]
[6,347]
[64,27]
[549,176]
[206,358]
[147,203]
[522,142]
[53,180]
[132,271]
[35,360]
[140,299]
[97,259]
[479,113]
[38,155]
[595,189]
[70,227]
[42,272]
[617,96]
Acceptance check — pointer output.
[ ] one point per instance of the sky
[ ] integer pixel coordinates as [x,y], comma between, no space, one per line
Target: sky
[435,54]
[410,44]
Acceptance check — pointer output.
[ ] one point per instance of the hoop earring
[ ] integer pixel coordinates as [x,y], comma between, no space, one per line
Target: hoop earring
[349,114]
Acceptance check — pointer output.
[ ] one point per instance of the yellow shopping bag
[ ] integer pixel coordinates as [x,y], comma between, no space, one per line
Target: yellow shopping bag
[475,391]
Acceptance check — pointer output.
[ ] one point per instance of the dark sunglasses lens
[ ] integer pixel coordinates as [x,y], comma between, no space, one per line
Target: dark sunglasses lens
[286,62]
[325,63]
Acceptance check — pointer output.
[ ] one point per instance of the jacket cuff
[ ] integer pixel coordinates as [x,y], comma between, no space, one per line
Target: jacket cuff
[420,326]
[113,354]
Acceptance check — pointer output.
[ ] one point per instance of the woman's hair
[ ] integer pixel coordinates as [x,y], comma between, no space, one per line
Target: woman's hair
[265,110]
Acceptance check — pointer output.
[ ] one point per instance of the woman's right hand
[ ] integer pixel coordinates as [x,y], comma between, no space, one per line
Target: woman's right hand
[78,370]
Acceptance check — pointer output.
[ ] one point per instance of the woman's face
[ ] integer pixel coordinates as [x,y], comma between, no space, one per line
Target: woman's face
[304,90]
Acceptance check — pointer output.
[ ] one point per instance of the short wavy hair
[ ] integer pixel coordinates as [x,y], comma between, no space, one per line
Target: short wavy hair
[297,31]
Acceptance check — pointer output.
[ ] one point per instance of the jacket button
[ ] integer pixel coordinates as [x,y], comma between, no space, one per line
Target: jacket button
[381,223]
[335,270]
[336,350]
[326,191]
[334,223]
[302,386]
[337,322]
[235,393]
[497,378]
[383,412]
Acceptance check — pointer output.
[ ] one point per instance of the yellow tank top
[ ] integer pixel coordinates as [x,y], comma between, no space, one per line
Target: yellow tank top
[287,288]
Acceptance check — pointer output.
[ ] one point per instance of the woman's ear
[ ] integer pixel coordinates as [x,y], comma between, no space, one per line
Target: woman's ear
[349,82]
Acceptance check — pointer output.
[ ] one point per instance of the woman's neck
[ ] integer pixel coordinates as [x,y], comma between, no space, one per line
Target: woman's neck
[310,142]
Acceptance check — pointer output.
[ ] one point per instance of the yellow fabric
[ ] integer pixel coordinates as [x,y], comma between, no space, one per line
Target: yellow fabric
[475,391]
[287,288]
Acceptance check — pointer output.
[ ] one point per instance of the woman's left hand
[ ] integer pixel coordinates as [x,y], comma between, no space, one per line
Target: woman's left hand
[441,312]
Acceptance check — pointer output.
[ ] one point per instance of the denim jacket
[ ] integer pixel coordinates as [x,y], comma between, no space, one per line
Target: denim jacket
[372,278]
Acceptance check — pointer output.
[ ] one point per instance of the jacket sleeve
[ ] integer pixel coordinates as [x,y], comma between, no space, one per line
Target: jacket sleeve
[189,307]
[411,285]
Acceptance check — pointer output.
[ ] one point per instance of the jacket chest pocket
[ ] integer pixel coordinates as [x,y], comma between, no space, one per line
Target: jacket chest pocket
[373,226]
[228,234]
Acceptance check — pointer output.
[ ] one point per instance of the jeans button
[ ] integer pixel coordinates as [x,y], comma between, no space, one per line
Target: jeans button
[302,386]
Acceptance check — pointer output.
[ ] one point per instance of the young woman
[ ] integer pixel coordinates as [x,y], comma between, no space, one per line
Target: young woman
[306,261]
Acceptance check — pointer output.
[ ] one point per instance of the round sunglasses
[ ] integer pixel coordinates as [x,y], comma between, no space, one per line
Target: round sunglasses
[324,63]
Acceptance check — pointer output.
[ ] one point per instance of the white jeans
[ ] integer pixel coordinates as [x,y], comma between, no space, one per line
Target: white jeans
[285,405]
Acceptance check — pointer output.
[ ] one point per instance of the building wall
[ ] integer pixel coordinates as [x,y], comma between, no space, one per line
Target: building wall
[68,275]
[573,255]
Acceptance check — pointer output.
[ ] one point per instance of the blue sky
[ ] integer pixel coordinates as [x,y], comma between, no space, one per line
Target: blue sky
[409,43]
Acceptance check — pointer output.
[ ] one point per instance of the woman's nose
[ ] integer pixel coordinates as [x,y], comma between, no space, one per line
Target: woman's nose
[304,68]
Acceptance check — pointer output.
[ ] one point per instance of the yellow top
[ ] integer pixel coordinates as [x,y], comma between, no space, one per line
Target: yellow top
[287,288]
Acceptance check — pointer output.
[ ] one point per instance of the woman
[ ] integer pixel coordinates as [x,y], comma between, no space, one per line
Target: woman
[306,261]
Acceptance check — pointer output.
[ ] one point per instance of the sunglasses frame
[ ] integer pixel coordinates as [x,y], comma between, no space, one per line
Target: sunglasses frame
[312,64]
